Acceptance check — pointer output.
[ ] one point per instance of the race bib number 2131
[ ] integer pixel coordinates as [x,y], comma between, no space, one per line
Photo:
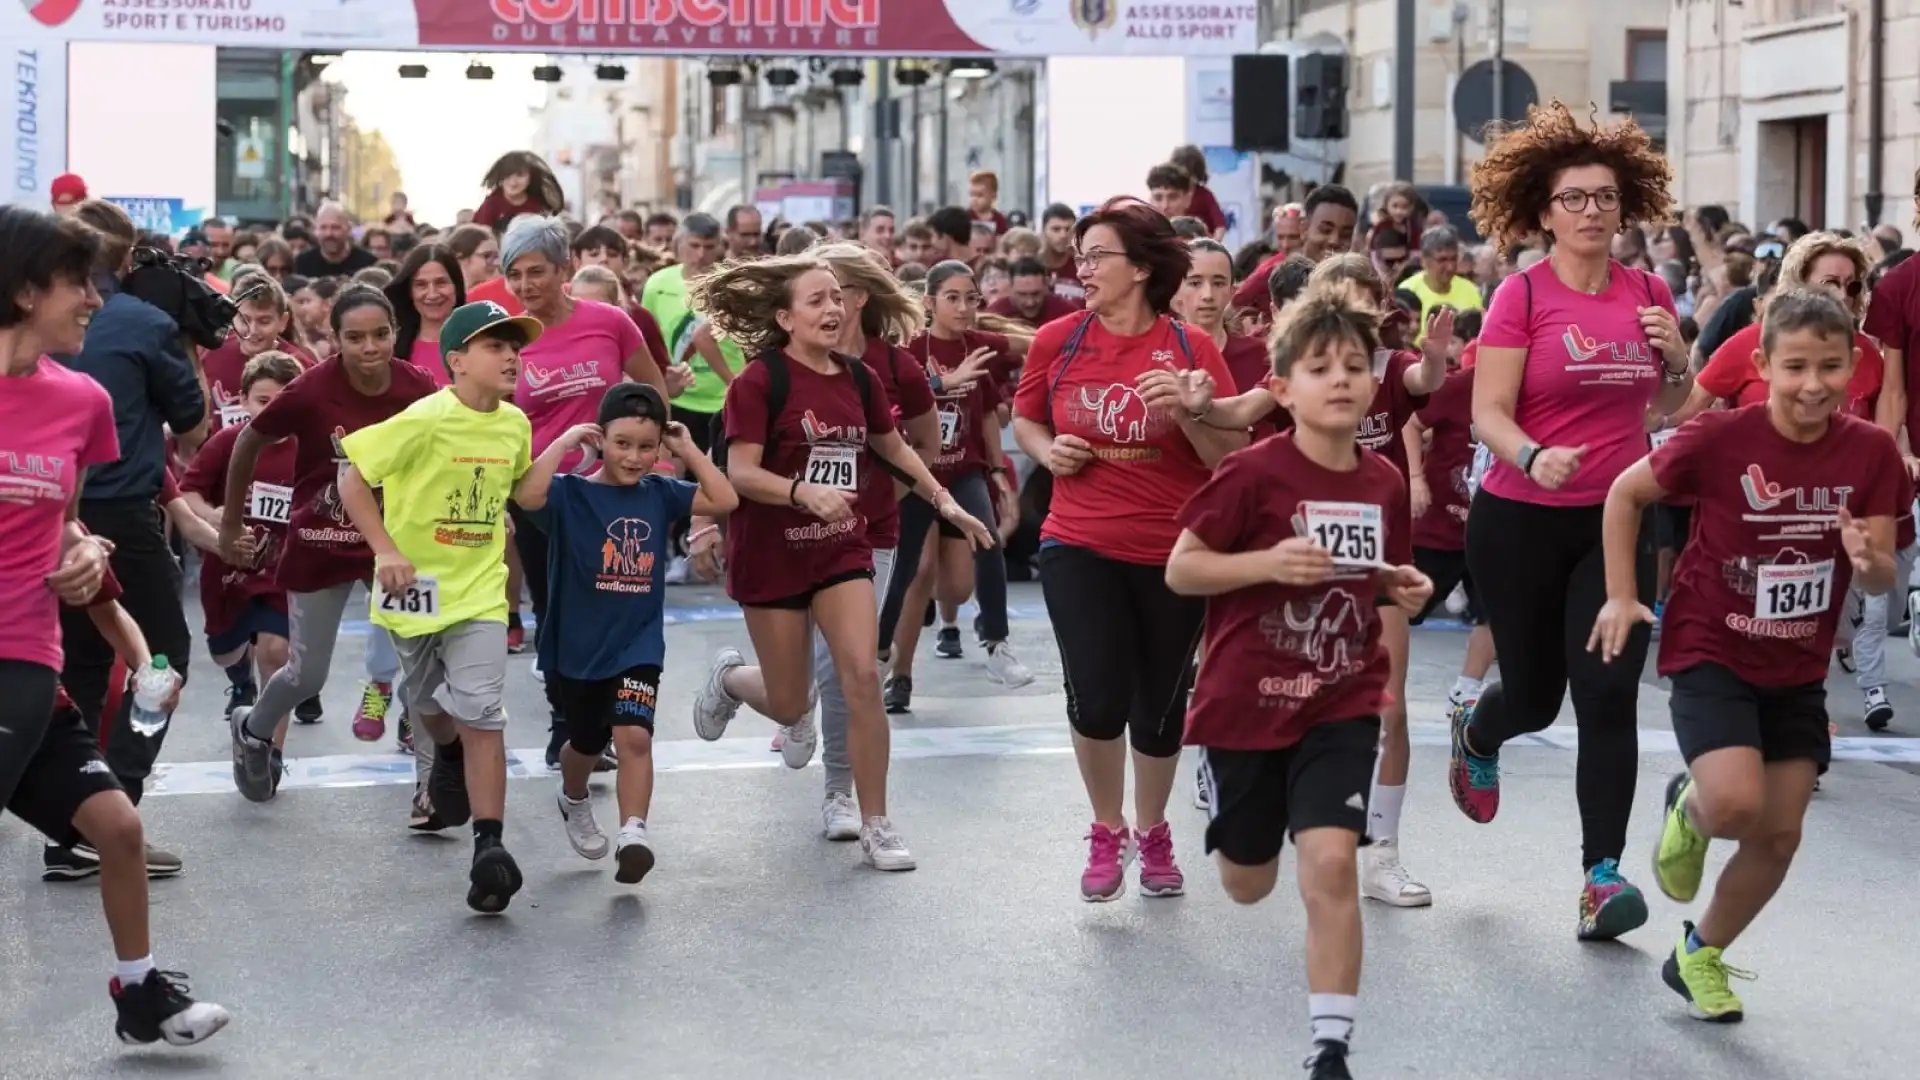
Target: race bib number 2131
[420,598]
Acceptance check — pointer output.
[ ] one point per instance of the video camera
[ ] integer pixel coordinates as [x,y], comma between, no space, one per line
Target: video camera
[177,285]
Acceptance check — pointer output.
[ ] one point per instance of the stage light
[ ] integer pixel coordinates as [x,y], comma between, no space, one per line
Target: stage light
[479,71]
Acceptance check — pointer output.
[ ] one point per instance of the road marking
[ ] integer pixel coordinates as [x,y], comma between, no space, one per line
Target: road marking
[693,755]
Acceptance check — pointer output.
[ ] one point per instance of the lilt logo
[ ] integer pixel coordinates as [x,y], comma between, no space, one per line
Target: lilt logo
[51,12]
[1763,495]
[1579,346]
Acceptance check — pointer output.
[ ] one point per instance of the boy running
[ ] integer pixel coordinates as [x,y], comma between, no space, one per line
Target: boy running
[447,465]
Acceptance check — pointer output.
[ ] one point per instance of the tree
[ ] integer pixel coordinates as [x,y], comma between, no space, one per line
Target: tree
[372,173]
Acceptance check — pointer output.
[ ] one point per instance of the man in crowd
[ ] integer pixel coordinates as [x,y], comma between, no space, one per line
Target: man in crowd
[1056,253]
[952,235]
[1031,298]
[219,245]
[745,237]
[659,230]
[334,254]
[1439,282]
[876,232]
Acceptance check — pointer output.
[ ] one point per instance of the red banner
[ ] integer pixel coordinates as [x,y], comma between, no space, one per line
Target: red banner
[807,27]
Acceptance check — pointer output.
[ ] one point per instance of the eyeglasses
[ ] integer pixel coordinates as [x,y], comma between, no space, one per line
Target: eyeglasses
[1772,249]
[1093,257]
[1851,288]
[1574,200]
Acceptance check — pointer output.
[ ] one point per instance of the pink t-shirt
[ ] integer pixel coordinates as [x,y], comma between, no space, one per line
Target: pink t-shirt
[426,357]
[564,375]
[54,424]
[1590,374]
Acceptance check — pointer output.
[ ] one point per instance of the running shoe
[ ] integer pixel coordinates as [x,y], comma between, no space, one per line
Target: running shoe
[493,878]
[1610,905]
[947,645]
[370,719]
[1383,878]
[309,711]
[839,817]
[162,864]
[1005,668]
[1108,853]
[898,697]
[1328,1061]
[1159,874]
[1474,780]
[882,848]
[633,856]
[796,748]
[1202,790]
[1680,857]
[447,788]
[279,768]
[159,1007]
[583,831]
[403,733]
[779,740]
[538,675]
[713,707]
[1701,977]
[252,759]
[678,569]
[242,696]
[516,636]
[1879,709]
[424,818]
[76,863]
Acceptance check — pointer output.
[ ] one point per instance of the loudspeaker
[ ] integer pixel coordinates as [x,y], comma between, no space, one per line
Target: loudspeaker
[1261,97]
[1321,112]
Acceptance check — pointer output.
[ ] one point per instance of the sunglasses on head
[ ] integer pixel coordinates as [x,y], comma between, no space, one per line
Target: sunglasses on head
[1772,249]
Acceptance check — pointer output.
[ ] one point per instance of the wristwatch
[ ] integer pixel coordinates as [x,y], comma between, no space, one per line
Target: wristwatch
[1525,459]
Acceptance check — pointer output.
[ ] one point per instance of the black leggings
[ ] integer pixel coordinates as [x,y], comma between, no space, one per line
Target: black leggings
[1126,647]
[975,496]
[532,545]
[26,708]
[1541,580]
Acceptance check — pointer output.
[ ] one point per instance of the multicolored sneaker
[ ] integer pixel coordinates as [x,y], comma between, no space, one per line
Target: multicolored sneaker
[516,635]
[1159,874]
[1474,780]
[1680,858]
[1701,977]
[1108,853]
[370,719]
[1610,905]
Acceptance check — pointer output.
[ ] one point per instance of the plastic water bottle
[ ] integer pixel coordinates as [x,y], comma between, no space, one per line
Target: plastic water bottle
[151,688]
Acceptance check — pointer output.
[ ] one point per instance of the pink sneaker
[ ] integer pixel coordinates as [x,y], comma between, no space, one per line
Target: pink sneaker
[1159,874]
[370,719]
[1105,877]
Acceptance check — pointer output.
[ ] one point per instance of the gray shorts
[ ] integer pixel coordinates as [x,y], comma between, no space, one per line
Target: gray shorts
[460,671]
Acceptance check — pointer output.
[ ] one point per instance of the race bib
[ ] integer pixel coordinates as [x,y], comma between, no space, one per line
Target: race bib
[949,428]
[1793,590]
[1353,533]
[1659,438]
[420,598]
[270,502]
[233,415]
[836,467]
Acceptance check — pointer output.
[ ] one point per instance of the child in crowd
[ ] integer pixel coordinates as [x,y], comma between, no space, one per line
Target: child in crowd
[599,283]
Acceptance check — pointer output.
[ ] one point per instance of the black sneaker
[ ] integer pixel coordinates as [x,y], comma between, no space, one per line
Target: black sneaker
[279,760]
[899,694]
[159,1007]
[447,787]
[76,863]
[309,711]
[948,645]
[242,696]
[493,879]
[1328,1061]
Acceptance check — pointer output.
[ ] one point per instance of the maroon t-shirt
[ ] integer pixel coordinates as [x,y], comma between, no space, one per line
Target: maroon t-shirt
[321,408]
[895,372]
[1759,587]
[1279,659]
[1449,458]
[776,552]
[223,367]
[1052,307]
[225,589]
[495,211]
[650,333]
[1894,318]
[1067,286]
[1903,532]
[963,410]
[1253,294]
[1392,406]
[1000,222]
[1252,369]
[1206,209]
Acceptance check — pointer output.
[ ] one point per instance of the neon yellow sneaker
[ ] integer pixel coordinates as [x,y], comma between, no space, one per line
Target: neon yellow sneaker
[1701,977]
[1680,859]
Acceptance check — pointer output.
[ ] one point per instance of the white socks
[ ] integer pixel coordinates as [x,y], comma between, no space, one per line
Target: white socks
[133,972]
[1466,689]
[1383,811]
[1332,1016]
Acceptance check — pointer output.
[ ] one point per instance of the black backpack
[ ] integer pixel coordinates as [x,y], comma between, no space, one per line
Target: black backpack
[779,384]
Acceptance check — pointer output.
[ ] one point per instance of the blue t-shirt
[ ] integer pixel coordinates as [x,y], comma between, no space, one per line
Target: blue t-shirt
[606,572]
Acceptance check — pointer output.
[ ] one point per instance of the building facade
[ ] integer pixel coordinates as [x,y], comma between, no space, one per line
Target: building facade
[608,127]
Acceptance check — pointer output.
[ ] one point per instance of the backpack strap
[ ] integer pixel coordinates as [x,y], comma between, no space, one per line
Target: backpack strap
[1066,356]
[863,379]
[1186,349]
[779,387]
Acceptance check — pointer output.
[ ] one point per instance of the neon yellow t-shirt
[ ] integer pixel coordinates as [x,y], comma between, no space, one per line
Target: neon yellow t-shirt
[1461,295]
[445,472]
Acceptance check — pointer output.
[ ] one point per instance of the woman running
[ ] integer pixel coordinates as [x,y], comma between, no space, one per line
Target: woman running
[1574,351]
[1099,405]
[807,431]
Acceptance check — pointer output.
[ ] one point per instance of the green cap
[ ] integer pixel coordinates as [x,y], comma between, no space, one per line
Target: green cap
[470,320]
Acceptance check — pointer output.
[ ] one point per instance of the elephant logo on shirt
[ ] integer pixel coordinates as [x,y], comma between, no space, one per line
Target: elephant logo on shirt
[1327,629]
[1118,412]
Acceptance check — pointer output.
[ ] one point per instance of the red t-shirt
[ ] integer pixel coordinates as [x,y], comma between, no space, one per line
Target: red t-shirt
[1253,294]
[963,412]
[495,289]
[1392,406]
[1767,506]
[496,211]
[1448,415]
[895,372]
[323,548]
[1279,659]
[1052,306]
[223,367]
[1122,503]
[776,552]
[224,594]
[1894,318]
[1206,209]
[1067,286]
[1732,375]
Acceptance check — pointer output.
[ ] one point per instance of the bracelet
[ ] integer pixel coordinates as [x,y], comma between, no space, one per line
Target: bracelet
[702,533]
[1200,416]
[793,493]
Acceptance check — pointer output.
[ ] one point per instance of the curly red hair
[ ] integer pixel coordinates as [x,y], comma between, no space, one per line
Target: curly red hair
[1513,184]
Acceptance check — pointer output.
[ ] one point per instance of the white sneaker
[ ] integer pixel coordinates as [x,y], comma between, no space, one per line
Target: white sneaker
[1382,877]
[839,818]
[677,570]
[634,855]
[538,675]
[713,708]
[1913,621]
[583,832]
[1202,791]
[882,848]
[1005,668]
[801,737]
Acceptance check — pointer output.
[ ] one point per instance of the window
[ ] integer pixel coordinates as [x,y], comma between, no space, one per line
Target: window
[1647,55]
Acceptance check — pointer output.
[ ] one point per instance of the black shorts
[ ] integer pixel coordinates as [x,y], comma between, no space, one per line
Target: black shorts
[1446,569]
[1714,709]
[803,601]
[1261,797]
[63,774]
[1671,526]
[258,617]
[626,700]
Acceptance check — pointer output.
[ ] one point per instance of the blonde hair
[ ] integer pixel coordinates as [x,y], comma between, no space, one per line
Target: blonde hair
[742,300]
[271,364]
[1349,272]
[1021,243]
[892,312]
[599,277]
[1811,248]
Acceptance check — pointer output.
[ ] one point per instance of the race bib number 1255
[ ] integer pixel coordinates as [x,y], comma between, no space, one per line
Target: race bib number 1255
[1353,533]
